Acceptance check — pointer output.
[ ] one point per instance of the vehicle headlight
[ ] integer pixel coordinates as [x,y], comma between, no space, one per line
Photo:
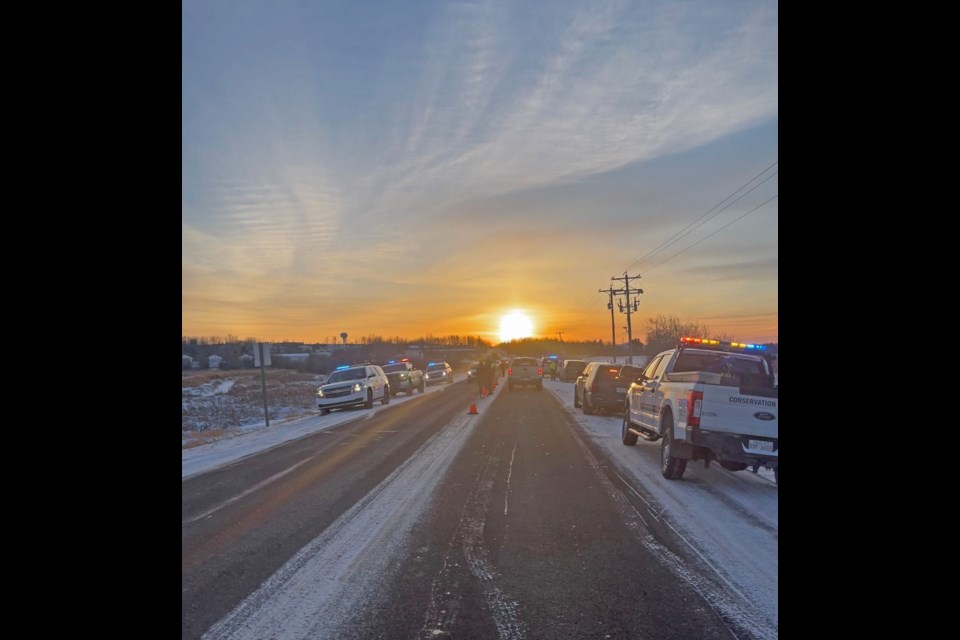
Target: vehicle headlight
[358,387]
[319,393]
[404,376]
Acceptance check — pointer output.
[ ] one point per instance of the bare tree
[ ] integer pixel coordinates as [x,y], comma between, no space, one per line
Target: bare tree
[664,332]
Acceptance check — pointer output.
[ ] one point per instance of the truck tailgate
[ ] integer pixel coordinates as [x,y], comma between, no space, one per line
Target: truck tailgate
[525,372]
[725,409]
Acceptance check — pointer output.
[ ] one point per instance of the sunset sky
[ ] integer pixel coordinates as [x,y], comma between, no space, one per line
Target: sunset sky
[411,168]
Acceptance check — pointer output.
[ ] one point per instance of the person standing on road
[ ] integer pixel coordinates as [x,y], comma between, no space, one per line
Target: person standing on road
[553,369]
[484,379]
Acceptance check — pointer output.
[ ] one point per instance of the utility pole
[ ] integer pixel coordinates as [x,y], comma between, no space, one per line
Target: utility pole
[613,325]
[627,290]
[261,358]
[560,336]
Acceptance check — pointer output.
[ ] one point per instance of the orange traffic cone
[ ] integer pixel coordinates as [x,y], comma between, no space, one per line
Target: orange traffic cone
[473,409]
[483,392]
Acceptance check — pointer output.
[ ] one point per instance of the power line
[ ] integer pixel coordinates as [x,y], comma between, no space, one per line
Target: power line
[692,226]
[705,221]
[679,235]
[711,234]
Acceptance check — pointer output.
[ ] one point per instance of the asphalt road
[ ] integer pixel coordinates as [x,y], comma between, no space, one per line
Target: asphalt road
[526,534]
[240,523]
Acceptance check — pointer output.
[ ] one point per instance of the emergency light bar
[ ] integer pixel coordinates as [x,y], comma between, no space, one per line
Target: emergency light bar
[708,342]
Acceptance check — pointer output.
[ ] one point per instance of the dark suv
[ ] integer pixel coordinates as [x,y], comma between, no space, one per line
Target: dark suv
[628,373]
[571,370]
[596,388]
[603,386]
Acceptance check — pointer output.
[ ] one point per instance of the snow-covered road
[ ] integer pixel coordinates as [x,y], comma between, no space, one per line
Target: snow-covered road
[726,520]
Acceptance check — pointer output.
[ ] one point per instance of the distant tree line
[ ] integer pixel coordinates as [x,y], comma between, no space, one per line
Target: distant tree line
[663,332]
[236,353]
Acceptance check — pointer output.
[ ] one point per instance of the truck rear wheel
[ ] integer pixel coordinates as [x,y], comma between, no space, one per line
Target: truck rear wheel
[386,396]
[672,468]
[576,403]
[629,439]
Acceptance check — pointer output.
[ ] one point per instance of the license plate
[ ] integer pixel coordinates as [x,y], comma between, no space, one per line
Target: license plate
[760,445]
[621,389]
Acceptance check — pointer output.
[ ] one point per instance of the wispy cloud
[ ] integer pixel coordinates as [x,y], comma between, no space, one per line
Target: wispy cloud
[312,160]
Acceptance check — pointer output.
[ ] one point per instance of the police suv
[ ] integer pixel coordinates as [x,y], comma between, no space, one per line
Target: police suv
[350,386]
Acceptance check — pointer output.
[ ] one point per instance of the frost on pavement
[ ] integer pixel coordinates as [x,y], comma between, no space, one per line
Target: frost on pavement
[320,588]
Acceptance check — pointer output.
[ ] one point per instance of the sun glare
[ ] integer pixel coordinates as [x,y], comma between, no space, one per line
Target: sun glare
[515,325]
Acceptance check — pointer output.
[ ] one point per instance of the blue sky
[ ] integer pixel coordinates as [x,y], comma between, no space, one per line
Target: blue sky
[404,168]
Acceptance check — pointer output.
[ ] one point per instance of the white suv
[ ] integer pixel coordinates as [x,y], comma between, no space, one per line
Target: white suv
[349,386]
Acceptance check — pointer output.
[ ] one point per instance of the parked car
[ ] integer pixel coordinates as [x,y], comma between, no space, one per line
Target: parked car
[596,388]
[439,373]
[350,386]
[571,370]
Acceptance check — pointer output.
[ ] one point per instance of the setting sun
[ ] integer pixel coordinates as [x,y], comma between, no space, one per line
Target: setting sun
[515,325]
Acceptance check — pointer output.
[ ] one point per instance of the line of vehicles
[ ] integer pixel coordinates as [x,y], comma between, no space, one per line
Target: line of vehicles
[364,384]
[704,400]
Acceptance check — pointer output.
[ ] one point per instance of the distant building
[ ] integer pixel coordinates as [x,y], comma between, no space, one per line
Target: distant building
[290,357]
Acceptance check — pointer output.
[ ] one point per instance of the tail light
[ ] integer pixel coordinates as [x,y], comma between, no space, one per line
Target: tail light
[694,407]
[539,371]
[510,371]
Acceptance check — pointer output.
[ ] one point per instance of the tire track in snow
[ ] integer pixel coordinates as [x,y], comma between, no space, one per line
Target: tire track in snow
[506,494]
[444,595]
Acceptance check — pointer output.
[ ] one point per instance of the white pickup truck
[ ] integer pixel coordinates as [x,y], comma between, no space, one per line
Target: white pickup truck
[710,401]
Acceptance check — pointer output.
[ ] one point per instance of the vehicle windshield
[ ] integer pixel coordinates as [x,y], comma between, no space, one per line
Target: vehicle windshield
[347,374]
[393,368]
[436,367]
[718,362]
